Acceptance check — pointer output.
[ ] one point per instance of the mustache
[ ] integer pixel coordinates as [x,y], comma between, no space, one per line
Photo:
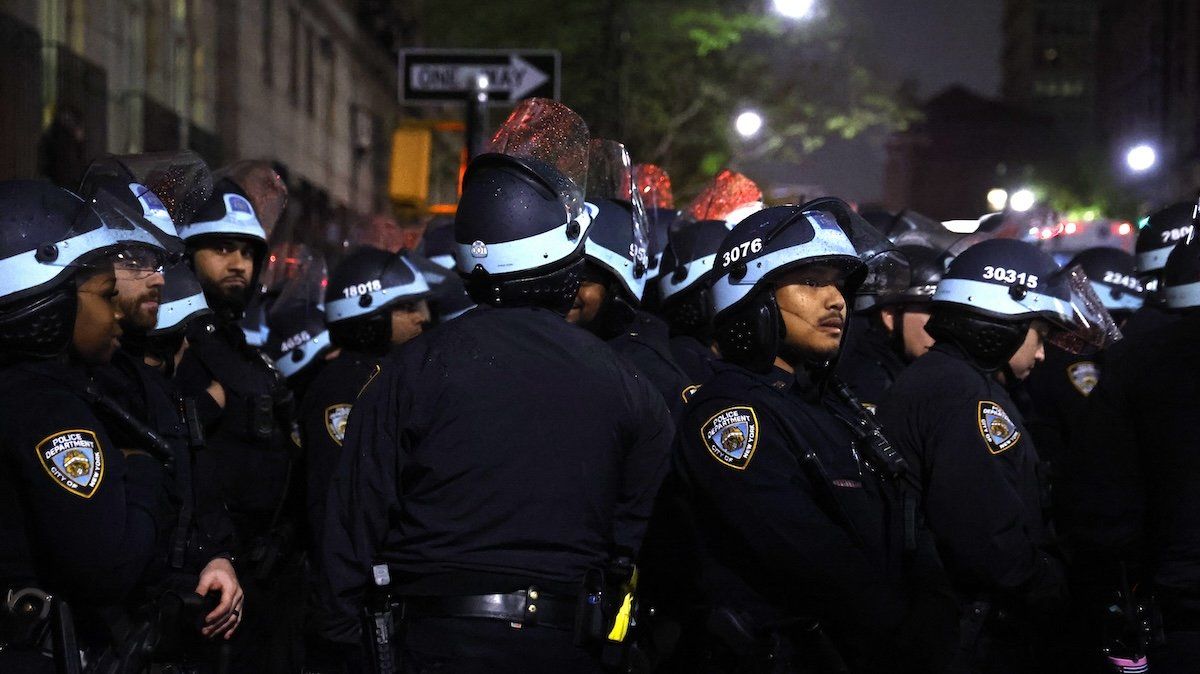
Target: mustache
[833,320]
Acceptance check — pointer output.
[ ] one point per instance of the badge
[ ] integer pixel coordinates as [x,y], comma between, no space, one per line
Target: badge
[1084,376]
[74,459]
[997,429]
[688,392]
[731,436]
[479,249]
[336,417]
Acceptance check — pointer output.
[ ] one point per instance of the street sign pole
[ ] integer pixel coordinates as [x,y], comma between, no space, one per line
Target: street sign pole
[477,117]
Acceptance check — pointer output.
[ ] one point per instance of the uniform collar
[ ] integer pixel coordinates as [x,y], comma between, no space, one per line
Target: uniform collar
[799,383]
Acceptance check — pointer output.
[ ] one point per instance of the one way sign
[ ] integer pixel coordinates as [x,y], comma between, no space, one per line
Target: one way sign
[433,75]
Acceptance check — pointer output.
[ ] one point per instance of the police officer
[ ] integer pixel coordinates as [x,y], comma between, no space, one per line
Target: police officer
[1128,486]
[684,289]
[1163,230]
[83,518]
[297,341]
[374,301]
[523,454]
[249,424]
[889,330]
[801,526]
[616,271]
[200,541]
[951,416]
[1060,386]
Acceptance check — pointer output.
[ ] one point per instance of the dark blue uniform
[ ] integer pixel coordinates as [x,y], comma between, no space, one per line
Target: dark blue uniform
[695,358]
[1130,486]
[646,343]
[77,516]
[979,470]
[1058,389]
[502,450]
[794,528]
[870,363]
[323,415]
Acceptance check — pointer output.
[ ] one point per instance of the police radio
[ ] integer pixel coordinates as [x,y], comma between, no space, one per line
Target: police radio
[883,454]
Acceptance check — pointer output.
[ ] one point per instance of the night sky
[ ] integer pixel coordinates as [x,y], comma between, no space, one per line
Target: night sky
[936,42]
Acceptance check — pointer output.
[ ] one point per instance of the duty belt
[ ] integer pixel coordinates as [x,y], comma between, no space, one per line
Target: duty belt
[526,608]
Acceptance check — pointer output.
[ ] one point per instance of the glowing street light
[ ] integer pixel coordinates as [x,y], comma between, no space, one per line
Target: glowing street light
[1022,200]
[748,124]
[1141,158]
[797,10]
[997,198]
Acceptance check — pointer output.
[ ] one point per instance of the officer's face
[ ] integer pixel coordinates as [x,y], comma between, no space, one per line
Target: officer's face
[1031,352]
[224,268]
[910,321]
[409,320]
[587,303]
[97,320]
[813,310]
[138,295]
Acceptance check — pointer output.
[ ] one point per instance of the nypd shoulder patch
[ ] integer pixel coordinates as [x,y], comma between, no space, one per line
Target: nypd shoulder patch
[997,428]
[731,436]
[1084,376]
[74,459]
[336,417]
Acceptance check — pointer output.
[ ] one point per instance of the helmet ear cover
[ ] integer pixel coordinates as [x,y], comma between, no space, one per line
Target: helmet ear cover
[689,313]
[39,327]
[554,290]
[751,335]
[990,341]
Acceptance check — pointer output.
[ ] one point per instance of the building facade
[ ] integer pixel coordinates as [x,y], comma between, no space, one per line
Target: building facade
[308,85]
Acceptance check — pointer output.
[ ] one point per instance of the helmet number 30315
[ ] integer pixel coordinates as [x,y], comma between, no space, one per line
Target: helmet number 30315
[741,250]
[1010,276]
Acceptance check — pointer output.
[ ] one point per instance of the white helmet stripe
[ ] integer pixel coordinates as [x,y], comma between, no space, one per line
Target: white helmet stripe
[527,253]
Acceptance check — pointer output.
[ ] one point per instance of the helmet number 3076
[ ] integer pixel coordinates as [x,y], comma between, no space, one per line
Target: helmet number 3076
[740,251]
[1010,276]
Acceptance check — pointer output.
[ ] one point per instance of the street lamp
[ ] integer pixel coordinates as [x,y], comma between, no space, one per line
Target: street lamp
[1022,200]
[997,198]
[1141,158]
[748,124]
[797,10]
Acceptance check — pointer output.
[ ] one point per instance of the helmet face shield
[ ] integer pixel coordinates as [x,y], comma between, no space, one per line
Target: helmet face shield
[730,196]
[550,133]
[1081,320]
[180,182]
[887,268]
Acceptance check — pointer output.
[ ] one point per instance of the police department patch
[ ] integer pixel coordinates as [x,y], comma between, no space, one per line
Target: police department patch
[1084,376]
[336,417]
[731,436]
[997,429]
[74,459]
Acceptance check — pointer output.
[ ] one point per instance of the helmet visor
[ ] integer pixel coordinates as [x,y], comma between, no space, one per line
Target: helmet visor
[180,181]
[1087,324]
[611,176]
[730,196]
[548,132]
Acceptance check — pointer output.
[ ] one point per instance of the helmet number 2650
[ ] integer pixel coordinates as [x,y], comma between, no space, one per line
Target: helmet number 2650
[1010,276]
[740,251]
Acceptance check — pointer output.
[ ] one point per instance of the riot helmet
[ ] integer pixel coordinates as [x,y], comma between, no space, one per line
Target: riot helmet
[448,298]
[521,221]
[992,291]
[47,235]
[654,189]
[296,336]
[758,251]
[686,279]
[439,245]
[1159,234]
[1181,276]
[362,291]
[182,301]
[618,240]
[1114,279]
[887,270]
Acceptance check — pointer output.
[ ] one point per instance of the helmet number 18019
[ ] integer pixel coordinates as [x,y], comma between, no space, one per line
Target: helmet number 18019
[740,251]
[1010,276]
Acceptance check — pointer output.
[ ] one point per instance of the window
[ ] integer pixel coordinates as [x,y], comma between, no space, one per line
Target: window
[294,60]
